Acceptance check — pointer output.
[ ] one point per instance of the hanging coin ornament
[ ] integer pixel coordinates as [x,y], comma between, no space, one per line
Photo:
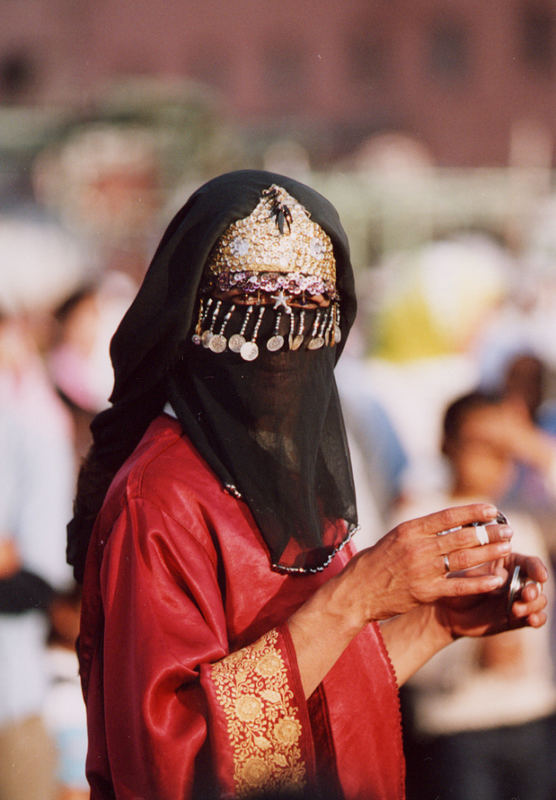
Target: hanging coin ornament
[299,336]
[207,335]
[292,331]
[337,329]
[250,350]
[276,341]
[237,340]
[316,341]
[196,338]
[219,342]
[329,325]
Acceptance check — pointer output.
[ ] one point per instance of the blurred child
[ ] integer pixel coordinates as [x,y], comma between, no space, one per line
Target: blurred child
[480,710]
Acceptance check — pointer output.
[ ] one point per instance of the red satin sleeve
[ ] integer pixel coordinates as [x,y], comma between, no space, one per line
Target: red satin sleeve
[169,706]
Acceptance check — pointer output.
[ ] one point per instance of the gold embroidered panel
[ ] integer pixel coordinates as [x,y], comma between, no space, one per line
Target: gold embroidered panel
[263,726]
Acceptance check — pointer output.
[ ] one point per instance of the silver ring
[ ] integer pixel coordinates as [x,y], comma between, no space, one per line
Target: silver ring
[482,534]
[446,563]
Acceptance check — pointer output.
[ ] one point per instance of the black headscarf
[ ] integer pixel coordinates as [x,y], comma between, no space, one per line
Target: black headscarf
[304,503]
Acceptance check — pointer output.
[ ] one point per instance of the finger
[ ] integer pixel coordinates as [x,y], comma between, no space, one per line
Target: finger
[487,568]
[530,592]
[524,608]
[455,517]
[537,620]
[465,586]
[472,536]
[474,556]
[532,567]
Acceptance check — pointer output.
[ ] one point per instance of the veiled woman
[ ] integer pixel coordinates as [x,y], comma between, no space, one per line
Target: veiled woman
[232,642]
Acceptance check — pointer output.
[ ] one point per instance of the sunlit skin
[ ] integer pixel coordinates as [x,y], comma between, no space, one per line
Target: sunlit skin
[262,298]
[402,581]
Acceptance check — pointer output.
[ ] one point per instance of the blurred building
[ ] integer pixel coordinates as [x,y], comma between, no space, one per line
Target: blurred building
[472,80]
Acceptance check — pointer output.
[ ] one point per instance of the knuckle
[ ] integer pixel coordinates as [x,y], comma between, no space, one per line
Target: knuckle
[403,531]
[460,588]
[457,560]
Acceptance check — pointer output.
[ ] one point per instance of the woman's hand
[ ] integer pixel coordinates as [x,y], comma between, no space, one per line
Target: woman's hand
[408,570]
[485,614]
[414,564]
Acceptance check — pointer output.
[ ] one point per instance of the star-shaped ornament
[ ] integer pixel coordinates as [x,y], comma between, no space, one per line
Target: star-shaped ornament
[281,301]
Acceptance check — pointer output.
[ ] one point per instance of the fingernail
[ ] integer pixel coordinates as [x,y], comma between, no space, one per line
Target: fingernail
[506,532]
[495,581]
[491,512]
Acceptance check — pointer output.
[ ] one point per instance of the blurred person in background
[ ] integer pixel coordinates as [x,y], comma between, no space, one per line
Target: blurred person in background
[525,427]
[36,485]
[229,639]
[78,358]
[40,263]
[479,714]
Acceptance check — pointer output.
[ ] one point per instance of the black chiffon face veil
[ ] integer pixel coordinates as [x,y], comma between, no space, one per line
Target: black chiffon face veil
[270,428]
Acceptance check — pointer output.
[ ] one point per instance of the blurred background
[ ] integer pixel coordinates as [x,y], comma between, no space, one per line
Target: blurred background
[431,125]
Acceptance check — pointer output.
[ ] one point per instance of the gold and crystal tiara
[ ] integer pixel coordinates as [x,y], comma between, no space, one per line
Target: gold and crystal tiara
[278,237]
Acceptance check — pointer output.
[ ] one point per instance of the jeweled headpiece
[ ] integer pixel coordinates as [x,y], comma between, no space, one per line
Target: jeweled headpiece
[277,253]
[277,237]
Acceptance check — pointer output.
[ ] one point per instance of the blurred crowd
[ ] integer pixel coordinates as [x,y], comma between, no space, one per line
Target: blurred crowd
[449,396]
[456,403]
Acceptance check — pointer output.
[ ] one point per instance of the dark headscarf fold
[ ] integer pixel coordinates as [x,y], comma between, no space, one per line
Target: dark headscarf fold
[146,348]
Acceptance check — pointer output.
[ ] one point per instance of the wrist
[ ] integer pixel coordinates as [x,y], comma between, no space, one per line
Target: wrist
[412,638]
[344,603]
[322,628]
[431,627]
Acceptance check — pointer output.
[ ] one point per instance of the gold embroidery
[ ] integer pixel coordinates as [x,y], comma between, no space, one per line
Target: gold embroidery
[252,687]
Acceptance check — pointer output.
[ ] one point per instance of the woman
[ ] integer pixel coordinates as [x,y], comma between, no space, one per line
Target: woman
[229,640]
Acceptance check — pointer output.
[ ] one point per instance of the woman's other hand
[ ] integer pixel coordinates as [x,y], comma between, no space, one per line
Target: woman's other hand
[426,559]
[486,614]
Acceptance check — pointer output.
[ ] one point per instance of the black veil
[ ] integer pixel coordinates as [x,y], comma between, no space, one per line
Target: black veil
[289,461]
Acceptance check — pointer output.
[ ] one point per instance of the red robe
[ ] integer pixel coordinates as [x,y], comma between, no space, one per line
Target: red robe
[188,669]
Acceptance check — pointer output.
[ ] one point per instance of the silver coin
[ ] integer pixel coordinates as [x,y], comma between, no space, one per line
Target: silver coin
[316,343]
[297,341]
[206,337]
[218,343]
[249,351]
[337,334]
[196,339]
[275,343]
[236,342]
